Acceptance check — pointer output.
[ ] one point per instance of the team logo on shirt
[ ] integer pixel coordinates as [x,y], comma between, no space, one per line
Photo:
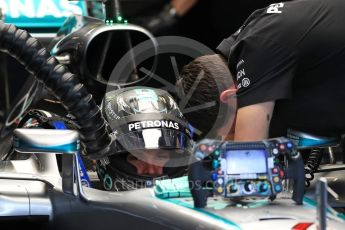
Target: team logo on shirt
[241,78]
[240,74]
[275,8]
[245,82]
[239,63]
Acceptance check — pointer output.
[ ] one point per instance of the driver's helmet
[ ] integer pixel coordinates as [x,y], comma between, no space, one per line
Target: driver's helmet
[146,123]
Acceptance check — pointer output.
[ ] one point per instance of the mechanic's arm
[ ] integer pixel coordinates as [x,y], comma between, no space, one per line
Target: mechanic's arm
[252,122]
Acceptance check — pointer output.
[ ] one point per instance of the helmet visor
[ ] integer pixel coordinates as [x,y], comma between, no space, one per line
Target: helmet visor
[177,144]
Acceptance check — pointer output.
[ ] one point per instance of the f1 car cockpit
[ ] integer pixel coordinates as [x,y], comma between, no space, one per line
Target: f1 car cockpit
[95,75]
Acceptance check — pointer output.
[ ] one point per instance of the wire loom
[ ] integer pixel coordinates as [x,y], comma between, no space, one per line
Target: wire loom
[311,165]
[64,85]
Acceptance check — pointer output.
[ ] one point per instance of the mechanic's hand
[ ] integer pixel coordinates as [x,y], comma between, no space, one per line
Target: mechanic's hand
[183,6]
[168,16]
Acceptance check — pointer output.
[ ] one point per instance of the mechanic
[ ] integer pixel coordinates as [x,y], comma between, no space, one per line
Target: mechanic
[216,79]
[287,61]
[153,138]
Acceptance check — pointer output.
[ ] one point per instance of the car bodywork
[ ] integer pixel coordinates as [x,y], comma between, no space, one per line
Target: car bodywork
[32,189]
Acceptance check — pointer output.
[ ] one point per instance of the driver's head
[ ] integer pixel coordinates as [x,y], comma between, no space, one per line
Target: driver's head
[152,136]
[151,162]
[212,82]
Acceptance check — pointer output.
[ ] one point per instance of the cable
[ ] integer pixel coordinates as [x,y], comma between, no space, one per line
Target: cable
[65,86]
[311,165]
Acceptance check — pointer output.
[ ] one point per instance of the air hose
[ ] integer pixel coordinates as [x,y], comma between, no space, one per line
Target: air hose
[64,85]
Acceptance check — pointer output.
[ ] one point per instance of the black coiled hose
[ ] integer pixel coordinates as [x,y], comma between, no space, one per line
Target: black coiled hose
[312,164]
[64,85]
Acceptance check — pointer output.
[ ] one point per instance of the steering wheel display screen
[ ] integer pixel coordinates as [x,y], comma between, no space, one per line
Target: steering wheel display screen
[246,161]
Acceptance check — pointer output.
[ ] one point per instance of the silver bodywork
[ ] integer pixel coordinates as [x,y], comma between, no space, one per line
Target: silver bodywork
[24,198]
[30,197]
[52,137]
[34,187]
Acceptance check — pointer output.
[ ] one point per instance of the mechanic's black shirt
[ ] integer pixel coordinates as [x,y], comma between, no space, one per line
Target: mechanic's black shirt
[293,53]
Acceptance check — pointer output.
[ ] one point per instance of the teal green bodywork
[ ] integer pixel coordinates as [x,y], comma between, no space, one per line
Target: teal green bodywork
[40,14]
